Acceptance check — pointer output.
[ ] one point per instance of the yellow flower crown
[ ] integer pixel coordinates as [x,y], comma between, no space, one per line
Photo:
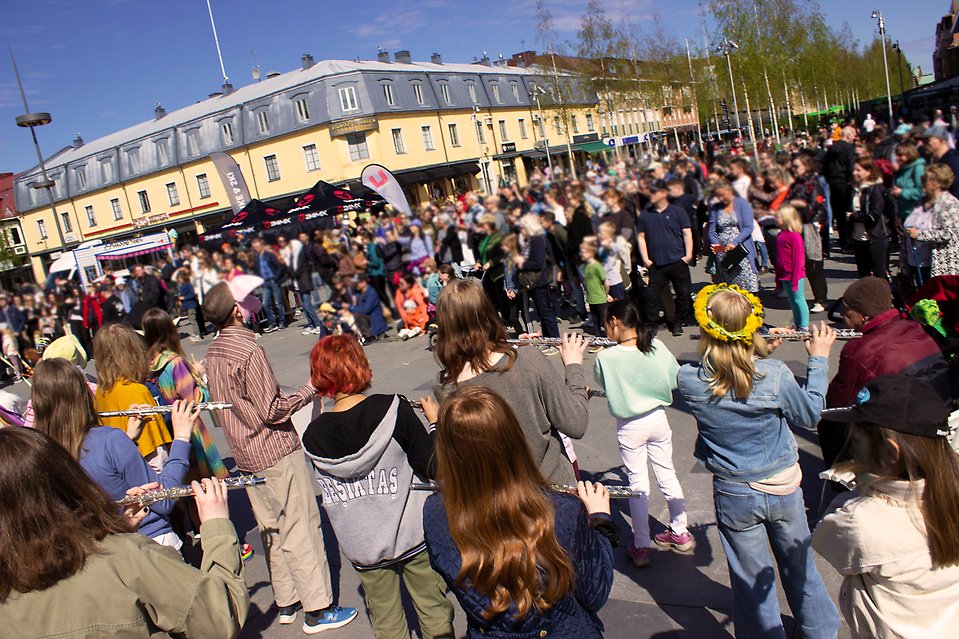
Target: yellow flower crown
[701,312]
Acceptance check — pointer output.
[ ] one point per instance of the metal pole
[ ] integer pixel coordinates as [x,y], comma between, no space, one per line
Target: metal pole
[749,120]
[216,39]
[732,84]
[885,63]
[902,88]
[542,124]
[692,80]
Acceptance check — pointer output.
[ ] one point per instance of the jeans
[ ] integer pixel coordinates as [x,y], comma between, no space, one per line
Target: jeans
[649,436]
[194,315]
[748,520]
[306,303]
[272,295]
[676,273]
[545,304]
[763,255]
[797,302]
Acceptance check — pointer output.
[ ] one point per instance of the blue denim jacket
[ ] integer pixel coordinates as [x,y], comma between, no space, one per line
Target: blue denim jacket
[748,439]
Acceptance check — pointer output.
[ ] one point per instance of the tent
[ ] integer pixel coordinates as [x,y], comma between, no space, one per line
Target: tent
[251,218]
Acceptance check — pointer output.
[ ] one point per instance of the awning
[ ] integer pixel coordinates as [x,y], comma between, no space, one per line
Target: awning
[507,156]
[534,155]
[441,172]
[591,147]
[124,252]
[411,177]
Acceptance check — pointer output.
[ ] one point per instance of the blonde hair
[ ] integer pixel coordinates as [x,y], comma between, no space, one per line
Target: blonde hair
[119,353]
[730,366]
[790,218]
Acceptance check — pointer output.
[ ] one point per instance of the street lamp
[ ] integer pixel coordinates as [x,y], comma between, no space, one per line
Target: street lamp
[898,49]
[877,15]
[534,94]
[725,49]
[30,121]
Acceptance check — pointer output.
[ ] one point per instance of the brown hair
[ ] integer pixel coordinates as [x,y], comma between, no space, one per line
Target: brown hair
[928,458]
[119,354]
[909,151]
[160,334]
[500,514]
[63,405]
[51,513]
[941,174]
[869,166]
[469,330]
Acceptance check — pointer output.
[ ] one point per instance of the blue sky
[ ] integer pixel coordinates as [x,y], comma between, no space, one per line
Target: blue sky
[102,65]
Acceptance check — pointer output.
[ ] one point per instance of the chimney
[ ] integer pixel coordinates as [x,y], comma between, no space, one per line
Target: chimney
[227,88]
[485,60]
[403,57]
[77,141]
[307,61]
[436,58]
[501,62]
[382,56]
[158,112]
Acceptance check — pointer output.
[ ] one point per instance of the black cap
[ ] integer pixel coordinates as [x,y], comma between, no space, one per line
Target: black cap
[658,185]
[897,402]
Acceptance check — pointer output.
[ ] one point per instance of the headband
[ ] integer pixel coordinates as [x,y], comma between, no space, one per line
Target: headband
[701,310]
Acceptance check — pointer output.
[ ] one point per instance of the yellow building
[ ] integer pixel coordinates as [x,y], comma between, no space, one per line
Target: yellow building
[441,128]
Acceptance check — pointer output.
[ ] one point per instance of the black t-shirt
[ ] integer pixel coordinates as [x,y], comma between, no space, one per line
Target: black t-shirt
[334,435]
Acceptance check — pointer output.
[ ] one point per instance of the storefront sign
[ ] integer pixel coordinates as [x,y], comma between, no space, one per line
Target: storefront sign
[509,147]
[586,137]
[142,222]
[356,125]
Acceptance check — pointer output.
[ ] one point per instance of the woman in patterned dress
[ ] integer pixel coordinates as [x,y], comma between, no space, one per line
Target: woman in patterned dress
[731,224]
[944,235]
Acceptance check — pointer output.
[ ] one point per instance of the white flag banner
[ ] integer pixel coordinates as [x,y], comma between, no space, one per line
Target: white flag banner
[379,179]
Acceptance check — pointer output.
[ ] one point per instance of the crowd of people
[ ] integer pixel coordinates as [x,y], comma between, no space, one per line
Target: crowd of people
[610,248]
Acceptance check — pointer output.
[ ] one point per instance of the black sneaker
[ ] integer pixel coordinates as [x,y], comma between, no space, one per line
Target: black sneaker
[327,619]
[677,329]
[288,613]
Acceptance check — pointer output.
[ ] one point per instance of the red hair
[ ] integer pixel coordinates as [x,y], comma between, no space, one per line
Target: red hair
[339,365]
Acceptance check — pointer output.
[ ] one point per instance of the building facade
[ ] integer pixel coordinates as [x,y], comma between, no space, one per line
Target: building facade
[441,128]
[14,259]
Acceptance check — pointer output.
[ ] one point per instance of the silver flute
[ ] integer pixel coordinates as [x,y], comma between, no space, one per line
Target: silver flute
[159,410]
[593,341]
[802,336]
[178,492]
[615,492]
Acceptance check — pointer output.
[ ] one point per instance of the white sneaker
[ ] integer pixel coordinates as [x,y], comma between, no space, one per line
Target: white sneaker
[318,330]
[817,308]
[306,331]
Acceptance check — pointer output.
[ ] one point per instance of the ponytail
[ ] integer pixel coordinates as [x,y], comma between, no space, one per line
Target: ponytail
[628,315]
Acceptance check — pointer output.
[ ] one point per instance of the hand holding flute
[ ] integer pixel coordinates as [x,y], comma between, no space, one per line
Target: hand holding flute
[183,415]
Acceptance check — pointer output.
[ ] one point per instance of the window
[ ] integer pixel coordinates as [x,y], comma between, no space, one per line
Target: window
[226,132]
[471,87]
[494,87]
[503,134]
[67,224]
[302,110]
[117,211]
[263,122]
[203,186]
[133,161]
[358,147]
[15,235]
[542,129]
[106,170]
[388,94]
[558,125]
[144,201]
[454,135]
[91,216]
[480,134]
[42,229]
[163,152]
[445,91]
[272,168]
[522,129]
[589,122]
[427,138]
[193,142]
[312,157]
[173,194]
[398,144]
[348,99]
[575,123]
[515,88]
[82,177]
[418,92]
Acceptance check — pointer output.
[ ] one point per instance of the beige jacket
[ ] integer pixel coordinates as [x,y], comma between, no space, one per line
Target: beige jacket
[877,541]
[134,587]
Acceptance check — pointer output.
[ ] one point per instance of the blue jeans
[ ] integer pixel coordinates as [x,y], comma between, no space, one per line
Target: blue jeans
[797,302]
[271,295]
[306,303]
[748,520]
[763,255]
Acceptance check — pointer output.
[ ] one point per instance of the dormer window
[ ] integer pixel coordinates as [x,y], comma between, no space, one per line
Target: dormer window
[388,94]
[348,99]
[418,92]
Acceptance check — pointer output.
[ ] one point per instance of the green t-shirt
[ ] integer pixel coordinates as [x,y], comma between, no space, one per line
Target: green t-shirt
[594,275]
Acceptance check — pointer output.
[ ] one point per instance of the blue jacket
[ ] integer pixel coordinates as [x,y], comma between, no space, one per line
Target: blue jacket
[572,617]
[746,440]
[14,318]
[369,304]
[745,219]
[279,271]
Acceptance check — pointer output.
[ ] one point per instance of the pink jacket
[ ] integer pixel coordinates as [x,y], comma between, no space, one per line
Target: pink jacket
[790,258]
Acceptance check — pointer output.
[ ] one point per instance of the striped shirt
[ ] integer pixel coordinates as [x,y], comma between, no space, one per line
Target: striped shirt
[258,428]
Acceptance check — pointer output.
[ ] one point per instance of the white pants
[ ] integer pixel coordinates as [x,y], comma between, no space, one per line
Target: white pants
[650,435]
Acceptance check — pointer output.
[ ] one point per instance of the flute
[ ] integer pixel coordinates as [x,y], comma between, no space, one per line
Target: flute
[593,341]
[802,336]
[159,410]
[163,494]
[615,492]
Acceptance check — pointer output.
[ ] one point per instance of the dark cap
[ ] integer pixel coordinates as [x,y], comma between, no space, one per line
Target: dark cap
[658,185]
[897,402]
[218,304]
